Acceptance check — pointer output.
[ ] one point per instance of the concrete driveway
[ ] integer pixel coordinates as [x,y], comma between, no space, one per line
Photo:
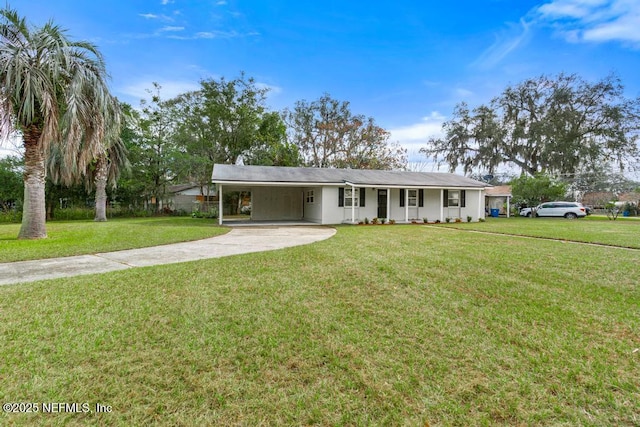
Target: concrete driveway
[237,241]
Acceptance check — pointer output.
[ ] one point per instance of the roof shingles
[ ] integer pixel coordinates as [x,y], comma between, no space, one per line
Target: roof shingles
[294,175]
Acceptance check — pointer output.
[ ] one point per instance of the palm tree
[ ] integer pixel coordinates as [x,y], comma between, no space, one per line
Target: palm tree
[53,91]
[108,167]
[105,169]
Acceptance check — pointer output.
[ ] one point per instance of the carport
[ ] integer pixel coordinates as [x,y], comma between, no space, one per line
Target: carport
[269,202]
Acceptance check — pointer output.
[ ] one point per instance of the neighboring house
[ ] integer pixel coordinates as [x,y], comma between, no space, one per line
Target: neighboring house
[632,197]
[187,197]
[599,200]
[334,196]
[499,197]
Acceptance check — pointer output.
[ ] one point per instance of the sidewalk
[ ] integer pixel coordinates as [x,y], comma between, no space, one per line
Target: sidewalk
[237,241]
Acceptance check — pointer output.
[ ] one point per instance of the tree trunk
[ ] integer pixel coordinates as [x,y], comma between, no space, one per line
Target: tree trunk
[33,213]
[102,170]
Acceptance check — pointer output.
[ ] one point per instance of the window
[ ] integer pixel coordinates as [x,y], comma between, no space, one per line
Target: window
[453,199]
[416,197]
[350,198]
[310,196]
[413,198]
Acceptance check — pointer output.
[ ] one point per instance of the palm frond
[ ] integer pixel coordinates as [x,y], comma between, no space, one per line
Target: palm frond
[60,86]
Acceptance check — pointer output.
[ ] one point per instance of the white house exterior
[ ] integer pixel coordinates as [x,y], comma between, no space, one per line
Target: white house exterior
[326,196]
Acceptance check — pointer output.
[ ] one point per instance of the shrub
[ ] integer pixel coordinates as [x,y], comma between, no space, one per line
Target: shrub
[67,214]
[469,218]
[10,216]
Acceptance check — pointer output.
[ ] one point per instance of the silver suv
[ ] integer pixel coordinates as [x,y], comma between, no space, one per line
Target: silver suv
[570,210]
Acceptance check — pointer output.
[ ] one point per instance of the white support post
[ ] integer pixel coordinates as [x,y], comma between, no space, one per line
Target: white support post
[388,202]
[508,206]
[480,205]
[219,204]
[353,204]
[406,205]
[441,204]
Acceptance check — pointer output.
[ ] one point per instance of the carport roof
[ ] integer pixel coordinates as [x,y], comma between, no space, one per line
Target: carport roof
[264,175]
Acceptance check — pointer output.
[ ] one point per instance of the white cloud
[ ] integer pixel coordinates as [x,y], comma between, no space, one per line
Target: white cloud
[164,18]
[574,9]
[206,35]
[171,33]
[169,88]
[216,34]
[415,136]
[169,28]
[594,20]
[505,42]
[576,21]
[273,90]
[625,28]
[463,93]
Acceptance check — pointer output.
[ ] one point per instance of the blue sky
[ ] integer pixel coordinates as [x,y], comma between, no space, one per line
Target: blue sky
[405,63]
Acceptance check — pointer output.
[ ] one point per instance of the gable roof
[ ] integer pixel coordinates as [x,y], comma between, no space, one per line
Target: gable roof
[499,191]
[279,175]
[180,187]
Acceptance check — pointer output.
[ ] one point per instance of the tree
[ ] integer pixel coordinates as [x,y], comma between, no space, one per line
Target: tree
[106,170]
[272,147]
[157,152]
[219,123]
[327,134]
[12,188]
[543,125]
[531,191]
[54,92]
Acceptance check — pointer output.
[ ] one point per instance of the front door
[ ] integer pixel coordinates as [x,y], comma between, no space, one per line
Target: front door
[382,203]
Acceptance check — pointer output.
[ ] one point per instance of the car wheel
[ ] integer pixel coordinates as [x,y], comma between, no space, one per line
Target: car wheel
[570,215]
[528,214]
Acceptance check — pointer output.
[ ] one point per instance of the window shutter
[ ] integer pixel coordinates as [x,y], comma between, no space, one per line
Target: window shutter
[445,198]
[362,196]
[463,202]
[420,198]
[340,197]
[402,197]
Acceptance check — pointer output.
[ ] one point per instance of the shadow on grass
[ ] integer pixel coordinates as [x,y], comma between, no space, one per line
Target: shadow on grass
[183,222]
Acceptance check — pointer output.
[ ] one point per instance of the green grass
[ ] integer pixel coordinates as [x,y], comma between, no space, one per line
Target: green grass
[394,325]
[66,238]
[622,232]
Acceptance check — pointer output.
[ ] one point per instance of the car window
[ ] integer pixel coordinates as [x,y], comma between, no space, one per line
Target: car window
[546,205]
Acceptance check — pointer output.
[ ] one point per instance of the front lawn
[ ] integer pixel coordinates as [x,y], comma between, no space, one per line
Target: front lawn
[388,325]
[623,232]
[67,238]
